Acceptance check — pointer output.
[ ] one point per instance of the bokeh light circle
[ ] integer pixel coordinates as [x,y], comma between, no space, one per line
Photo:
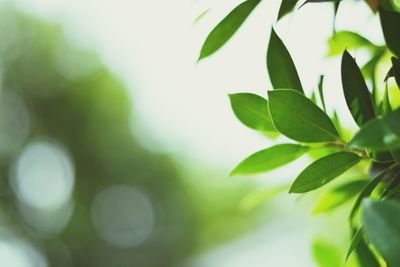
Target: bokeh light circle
[123,215]
[43,175]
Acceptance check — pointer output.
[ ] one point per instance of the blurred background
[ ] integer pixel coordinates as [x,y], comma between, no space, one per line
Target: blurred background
[115,145]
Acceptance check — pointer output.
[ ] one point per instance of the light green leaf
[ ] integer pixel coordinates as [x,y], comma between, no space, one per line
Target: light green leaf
[347,40]
[281,69]
[201,15]
[286,7]
[338,196]
[252,111]
[356,91]
[390,22]
[367,191]
[253,199]
[227,27]
[379,134]
[298,118]
[381,220]
[386,107]
[325,254]
[323,171]
[270,158]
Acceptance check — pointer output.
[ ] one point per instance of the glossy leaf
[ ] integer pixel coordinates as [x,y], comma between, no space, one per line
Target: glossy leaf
[270,158]
[286,7]
[325,254]
[356,91]
[281,69]
[323,171]
[347,40]
[380,134]
[367,191]
[390,22]
[298,118]
[252,111]
[338,196]
[381,220]
[227,27]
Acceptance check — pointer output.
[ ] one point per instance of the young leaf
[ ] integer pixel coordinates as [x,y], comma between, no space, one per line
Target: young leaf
[338,196]
[286,7]
[325,254]
[270,158]
[281,69]
[298,118]
[324,170]
[356,91]
[380,134]
[390,22]
[321,91]
[227,27]
[381,220]
[367,191]
[252,111]
[347,40]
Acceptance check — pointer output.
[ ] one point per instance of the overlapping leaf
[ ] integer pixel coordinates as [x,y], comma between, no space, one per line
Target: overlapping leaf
[281,69]
[323,171]
[298,118]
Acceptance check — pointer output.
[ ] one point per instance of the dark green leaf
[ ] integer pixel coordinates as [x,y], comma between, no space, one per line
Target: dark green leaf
[325,254]
[338,196]
[321,91]
[367,191]
[380,134]
[252,111]
[390,22]
[298,118]
[270,158]
[323,171]
[281,69]
[381,220]
[316,1]
[227,27]
[347,40]
[356,91]
[286,7]
[364,255]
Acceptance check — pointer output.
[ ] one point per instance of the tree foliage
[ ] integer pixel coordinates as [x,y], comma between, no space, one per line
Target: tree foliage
[287,110]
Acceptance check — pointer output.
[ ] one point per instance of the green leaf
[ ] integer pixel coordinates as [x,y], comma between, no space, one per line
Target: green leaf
[315,1]
[321,91]
[381,220]
[367,191]
[286,7]
[364,255]
[202,15]
[252,111]
[338,196]
[298,118]
[386,108]
[347,40]
[227,27]
[356,91]
[379,134]
[325,254]
[270,158]
[390,22]
[324,170]
[281,69]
